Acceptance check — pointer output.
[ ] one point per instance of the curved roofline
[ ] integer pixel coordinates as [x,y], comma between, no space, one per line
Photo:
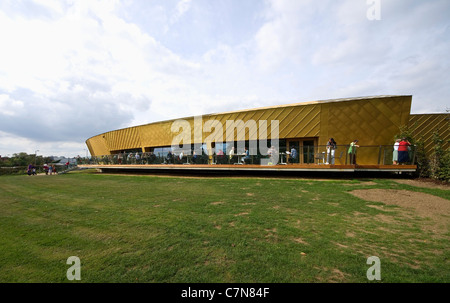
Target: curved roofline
[419,114]
[265,108]
[311,102]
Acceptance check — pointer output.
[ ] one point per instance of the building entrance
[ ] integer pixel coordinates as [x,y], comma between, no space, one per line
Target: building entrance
[305,149]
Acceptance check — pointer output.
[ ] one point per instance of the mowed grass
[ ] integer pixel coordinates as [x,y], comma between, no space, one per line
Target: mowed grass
[174,229]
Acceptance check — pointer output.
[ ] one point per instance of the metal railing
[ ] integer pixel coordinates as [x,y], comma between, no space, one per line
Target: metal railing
[319,154]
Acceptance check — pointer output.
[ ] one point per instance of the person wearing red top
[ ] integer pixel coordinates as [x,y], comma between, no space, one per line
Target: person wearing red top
[403,147]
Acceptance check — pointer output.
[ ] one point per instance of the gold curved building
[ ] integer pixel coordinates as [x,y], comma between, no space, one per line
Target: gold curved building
[374,121]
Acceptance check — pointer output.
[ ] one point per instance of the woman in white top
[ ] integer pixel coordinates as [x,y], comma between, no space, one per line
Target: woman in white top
[395,154]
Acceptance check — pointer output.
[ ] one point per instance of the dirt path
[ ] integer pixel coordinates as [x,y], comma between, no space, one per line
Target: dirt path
[423,183]
[422,204]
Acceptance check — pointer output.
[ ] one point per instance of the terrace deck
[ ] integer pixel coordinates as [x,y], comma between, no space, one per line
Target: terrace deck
[236,168]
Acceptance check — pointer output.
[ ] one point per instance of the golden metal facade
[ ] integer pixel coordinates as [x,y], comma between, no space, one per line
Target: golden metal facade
[371,120]
[423,126]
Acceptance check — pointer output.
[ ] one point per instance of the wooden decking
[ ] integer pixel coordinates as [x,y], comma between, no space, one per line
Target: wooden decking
[255,168]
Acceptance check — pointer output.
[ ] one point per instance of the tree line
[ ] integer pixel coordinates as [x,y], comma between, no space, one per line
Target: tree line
[24,159]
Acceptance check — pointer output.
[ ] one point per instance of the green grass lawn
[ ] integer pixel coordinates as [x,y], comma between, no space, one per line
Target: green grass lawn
[174,229]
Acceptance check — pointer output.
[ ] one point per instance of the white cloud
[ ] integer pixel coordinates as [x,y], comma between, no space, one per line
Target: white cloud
[54,5]
[9,106]
[98,57]
[96,66]
[10,145]
[181,8]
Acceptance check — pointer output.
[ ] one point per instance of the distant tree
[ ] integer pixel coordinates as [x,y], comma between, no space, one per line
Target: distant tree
[22,159]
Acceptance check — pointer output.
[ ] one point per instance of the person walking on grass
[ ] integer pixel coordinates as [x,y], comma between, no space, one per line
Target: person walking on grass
[30,169]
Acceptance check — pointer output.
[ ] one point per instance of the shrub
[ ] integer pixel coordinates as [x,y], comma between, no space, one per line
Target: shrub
[439,162]
[444,171]
[422,161]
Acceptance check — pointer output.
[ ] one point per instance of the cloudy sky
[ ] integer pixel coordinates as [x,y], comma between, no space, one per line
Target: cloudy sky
[71,69]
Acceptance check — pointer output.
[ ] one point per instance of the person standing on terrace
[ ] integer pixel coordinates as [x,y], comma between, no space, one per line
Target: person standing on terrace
[395,153]
[231,154]
[403,149]
[352,151]
[331,146]
[293,155]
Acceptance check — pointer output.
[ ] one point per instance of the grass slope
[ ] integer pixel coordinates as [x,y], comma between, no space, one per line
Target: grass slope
[172,229]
